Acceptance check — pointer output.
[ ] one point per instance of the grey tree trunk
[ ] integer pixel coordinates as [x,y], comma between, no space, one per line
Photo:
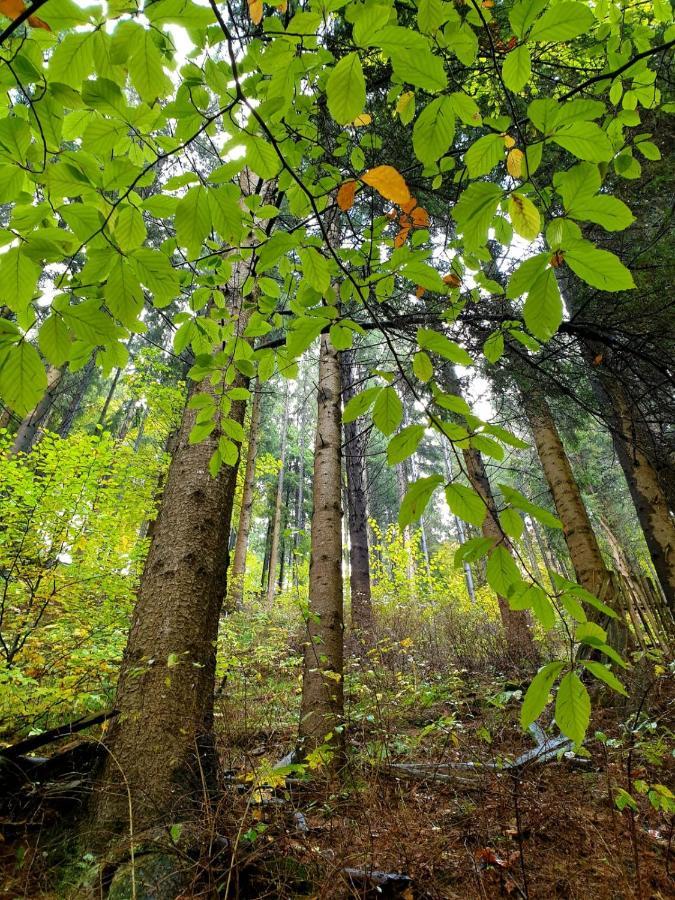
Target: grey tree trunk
[27,432]
[276,522]
[322,709]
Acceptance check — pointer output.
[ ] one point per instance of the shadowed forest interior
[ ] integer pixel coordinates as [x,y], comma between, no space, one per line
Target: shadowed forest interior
[337,449]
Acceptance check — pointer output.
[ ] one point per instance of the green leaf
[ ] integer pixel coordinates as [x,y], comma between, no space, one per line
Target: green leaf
[123,293]
[524,216]
[346,89]
[543,309]
[484,154]
[359,404]
[431,340]
[72,60]
[525,275]
[422,366]
[315,269]
[520,501]
[493,348]
[465,108]
[262,157]
[23,379]
[154,270]
[562,22]
[434,130]
[517,68]
[18,279]
[511,523]
[585,140]
[130,231]
[610,212]
[475,210]
[416,499]
[502,571]
[599,268]
[462,40]
[404,444]
[89,322]
[572,708]
[54,340]
[388,410]
[466,504]
[421,68]
[523,14]
[193,219]
[536,697]
[146,69]
[573,607]
[341,338]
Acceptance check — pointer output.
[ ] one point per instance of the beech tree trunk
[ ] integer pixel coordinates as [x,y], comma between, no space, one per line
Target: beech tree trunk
[160,747]
[359,564]
[27,431]
[459,525]
[236,586]
[276,521]
[322,683]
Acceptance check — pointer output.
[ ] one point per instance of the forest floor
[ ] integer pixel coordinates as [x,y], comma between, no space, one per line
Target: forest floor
[546,830]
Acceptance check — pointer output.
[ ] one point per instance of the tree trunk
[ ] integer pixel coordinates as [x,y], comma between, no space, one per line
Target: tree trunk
[235,594]
[322,688]
[459,525]
[355,442]
[109,397]
[161,759]
[515,622]
[75,406]
[276,525]
[26,434]
[589,566]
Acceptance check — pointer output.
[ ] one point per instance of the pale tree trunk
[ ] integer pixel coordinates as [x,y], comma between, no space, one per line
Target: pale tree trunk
[27,432]
[322,682]
[276,522]
[589,565]
[300,497]
[355,442]
[515,622]
[235,592]
[459,525]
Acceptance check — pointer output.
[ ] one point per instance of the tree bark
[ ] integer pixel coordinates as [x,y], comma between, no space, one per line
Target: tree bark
[75,406]
[359,564]
[161,758]
[236,586]
[276,522]
[27,432]
[322,683]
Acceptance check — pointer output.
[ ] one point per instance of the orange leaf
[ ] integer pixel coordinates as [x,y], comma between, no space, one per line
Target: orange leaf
[452,279]
[597,360]
[419,293]
[13,9]
[255,9]
[420,217]
[514,162]
[557,259]
[401,237]
[409,206]
[389,183]
[345,196]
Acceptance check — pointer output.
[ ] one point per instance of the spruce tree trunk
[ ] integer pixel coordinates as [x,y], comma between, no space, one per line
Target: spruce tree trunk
[85,379]
[459,525]
[355,449]
[276,522]
[646,489]
[322,688]
[235,592]
[27,432]
[161,758]
[589,565]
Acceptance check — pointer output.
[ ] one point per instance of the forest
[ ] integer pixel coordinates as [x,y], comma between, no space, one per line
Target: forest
[337,449]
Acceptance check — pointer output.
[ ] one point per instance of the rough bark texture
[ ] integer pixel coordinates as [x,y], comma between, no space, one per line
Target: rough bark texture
[322,688]
[81,387]
[645,486]
[589,565]
[354,450]
[160,748]
[278,502]
[27,431]
[236,588]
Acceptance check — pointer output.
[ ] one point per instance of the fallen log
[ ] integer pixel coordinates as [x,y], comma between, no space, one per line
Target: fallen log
[54,734]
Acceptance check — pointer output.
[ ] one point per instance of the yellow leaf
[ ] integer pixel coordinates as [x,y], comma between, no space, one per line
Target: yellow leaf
[255,9]
[363,119]
[524,216]
[514,162]
[404,101]
[508,141]
[345,196]
[283,6]
[389,183]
